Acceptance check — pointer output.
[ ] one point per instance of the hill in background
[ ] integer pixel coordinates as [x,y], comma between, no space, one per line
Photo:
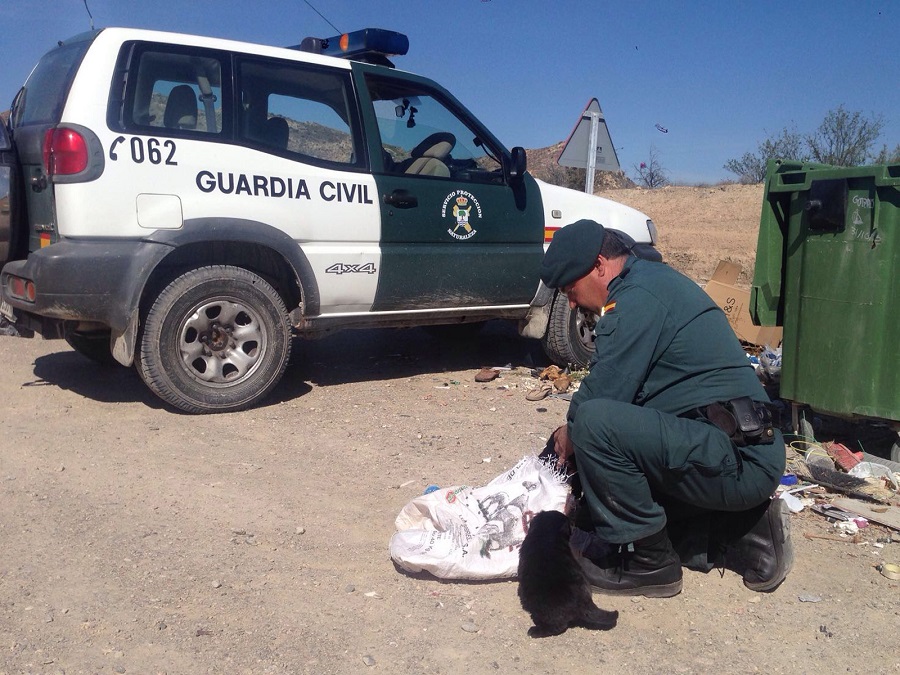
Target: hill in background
[698,225]
[542,164]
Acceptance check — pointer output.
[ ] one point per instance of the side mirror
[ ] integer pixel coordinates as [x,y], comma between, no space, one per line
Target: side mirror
[518,164]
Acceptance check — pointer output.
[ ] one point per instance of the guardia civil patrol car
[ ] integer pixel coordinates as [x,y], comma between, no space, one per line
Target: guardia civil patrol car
[184,204]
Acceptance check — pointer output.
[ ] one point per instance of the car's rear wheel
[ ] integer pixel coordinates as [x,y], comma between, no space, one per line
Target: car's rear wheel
[569,340]
[217,339]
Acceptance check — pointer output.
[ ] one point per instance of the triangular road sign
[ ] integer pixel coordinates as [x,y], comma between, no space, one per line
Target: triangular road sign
[575,151]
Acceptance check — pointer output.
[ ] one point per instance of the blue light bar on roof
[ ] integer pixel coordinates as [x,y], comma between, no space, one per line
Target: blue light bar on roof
[369,44]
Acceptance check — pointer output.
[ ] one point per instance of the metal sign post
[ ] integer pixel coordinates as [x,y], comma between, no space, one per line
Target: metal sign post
[591,151]
[589,146]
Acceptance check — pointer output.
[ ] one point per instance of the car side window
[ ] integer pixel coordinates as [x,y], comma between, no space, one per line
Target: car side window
[299,111]
[176,91]
[422,135]
[41,99]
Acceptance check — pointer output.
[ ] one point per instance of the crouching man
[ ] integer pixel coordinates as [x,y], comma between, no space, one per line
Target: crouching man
[669,432]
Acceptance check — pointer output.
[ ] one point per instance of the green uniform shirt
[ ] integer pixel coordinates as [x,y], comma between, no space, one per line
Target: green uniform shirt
[663,343]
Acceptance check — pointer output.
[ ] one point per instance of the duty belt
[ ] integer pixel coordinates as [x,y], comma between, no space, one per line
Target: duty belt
[745,421]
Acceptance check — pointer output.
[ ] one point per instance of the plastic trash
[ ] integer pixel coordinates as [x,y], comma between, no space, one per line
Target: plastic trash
[770,362]
[846,527]
[873,470]
[793,503]
[817,456]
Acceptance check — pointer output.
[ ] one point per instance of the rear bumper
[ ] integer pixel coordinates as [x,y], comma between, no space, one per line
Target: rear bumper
[97,281]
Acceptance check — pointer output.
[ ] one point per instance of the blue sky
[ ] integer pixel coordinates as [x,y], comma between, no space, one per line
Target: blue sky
[720,76]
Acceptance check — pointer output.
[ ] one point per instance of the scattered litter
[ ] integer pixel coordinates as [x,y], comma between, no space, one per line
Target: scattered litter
[793,503]
[373,594]
[855,539]
[770,362]
[540,393]
[832,512]
[842,456]
[872,470]
[409,482]
[810,598]
[431,488]
[487,375]
[846,527]
[889,517]
[890,570]
[469,627]
[819,458]
[550,373]
[562,383]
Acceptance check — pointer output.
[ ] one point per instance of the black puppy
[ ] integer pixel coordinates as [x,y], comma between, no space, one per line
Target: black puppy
[552,586]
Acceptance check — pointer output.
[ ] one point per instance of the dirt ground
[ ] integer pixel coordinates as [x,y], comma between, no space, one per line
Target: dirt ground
[134,539]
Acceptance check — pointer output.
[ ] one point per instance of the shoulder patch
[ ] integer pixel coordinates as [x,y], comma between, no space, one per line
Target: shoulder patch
[608,308]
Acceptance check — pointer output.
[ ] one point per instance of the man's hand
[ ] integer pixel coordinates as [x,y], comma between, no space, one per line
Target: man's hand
[564,449]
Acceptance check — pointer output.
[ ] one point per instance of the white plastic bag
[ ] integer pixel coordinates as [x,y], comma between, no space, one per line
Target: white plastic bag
[770,362]
[874,470]
[463,532]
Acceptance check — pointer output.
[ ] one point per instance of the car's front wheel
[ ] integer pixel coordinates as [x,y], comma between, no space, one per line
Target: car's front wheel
[570,334]
[217,339]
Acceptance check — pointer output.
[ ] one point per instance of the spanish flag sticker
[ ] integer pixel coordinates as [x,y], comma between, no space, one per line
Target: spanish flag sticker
[45,239]
[607,308]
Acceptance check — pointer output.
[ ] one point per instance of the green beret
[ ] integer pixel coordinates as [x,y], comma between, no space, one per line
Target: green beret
[572,253]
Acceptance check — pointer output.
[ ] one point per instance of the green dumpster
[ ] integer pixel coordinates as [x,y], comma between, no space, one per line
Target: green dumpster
[826,270]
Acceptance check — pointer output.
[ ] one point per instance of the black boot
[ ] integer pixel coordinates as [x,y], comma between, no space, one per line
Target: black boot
[649,567]
[757,544]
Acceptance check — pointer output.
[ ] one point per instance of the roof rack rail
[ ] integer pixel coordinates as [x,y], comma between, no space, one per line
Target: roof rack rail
[369,45]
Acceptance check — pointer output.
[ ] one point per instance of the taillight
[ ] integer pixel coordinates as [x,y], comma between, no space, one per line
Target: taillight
[21,289]
[65,152]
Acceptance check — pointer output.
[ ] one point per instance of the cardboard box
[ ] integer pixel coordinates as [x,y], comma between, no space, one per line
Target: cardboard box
[736,305]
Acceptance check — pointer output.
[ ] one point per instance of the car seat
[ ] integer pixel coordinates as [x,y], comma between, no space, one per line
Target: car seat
[181,108]
[427,158]
[276,132]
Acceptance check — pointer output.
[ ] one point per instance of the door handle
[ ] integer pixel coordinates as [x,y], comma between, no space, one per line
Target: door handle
[402,199]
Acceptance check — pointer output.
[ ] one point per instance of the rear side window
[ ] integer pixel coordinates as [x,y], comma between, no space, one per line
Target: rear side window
[44,94]
[175,91]
[300,111]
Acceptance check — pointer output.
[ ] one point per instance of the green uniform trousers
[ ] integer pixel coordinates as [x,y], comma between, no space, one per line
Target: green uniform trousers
[631,460]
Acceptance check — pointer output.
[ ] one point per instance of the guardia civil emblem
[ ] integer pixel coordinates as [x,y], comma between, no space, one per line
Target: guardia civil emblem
[464,211]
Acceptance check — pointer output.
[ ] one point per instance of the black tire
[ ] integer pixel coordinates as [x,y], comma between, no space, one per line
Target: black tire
[217,339]
[569,340]
[93,345]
